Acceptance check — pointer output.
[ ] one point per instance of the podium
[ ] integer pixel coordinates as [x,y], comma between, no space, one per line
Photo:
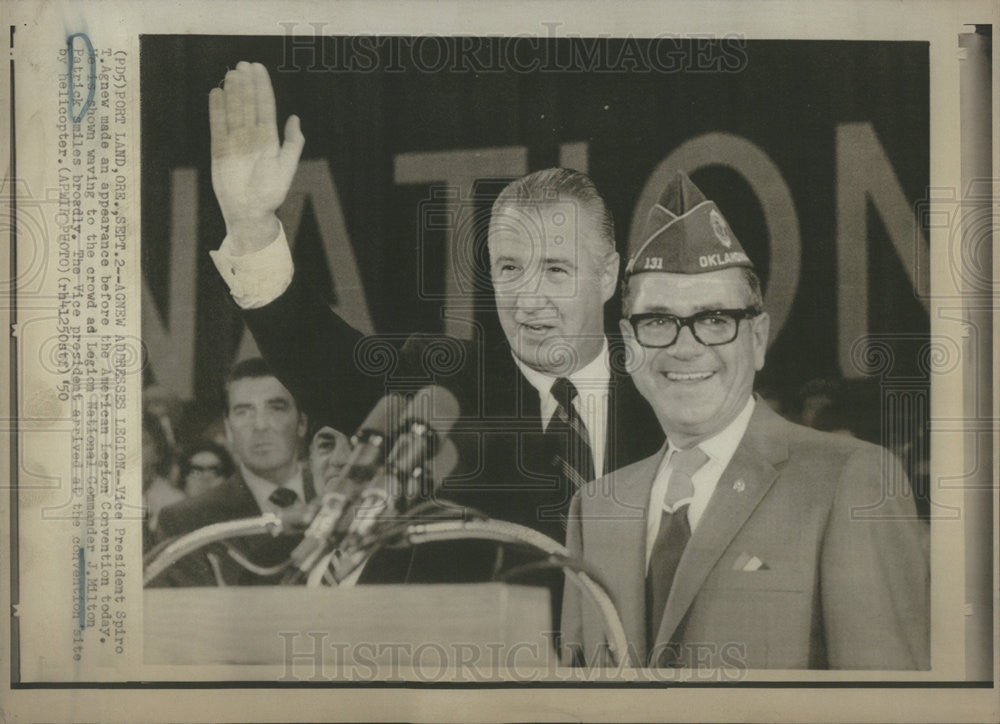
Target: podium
[485,626]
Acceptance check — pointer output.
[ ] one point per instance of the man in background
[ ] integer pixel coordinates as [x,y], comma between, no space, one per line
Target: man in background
[764,544]
[265,429]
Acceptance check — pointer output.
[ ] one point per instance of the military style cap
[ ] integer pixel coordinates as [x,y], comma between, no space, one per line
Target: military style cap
[686,233]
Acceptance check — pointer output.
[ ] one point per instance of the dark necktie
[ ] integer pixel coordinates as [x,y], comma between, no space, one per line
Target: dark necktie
[283,497]
[672,537]
[575,458]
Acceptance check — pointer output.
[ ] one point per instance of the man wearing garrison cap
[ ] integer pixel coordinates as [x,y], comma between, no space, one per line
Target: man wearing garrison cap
[765,544]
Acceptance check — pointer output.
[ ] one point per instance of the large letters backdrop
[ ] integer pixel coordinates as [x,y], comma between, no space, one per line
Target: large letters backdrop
[817,153]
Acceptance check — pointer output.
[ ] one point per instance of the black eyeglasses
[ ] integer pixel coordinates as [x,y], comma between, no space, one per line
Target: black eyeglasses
[711,327]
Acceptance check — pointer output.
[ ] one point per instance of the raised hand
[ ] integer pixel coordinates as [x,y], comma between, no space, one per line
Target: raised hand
[251,170]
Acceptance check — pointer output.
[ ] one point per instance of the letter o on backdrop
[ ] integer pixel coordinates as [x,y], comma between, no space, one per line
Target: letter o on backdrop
[753,164]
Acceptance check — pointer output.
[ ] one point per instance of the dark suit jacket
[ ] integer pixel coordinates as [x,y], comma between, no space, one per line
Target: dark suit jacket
[844,583]
[230,500]
[508,468]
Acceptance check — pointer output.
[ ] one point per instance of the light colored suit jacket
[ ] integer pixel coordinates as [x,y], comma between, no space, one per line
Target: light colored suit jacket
[828,522]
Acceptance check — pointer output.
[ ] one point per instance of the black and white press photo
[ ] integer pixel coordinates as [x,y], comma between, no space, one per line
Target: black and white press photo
[602,255]
[524,361]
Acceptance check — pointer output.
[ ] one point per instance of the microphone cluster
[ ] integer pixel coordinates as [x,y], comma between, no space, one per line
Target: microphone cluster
[399,453]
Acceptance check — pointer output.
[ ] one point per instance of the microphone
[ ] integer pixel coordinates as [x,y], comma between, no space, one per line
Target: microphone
[377,507]
[367,449]
[368,443]
[424,478]
[429,417]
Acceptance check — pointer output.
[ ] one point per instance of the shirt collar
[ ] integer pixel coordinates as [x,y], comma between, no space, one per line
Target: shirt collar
[595,374]
[721,446]
[262,488]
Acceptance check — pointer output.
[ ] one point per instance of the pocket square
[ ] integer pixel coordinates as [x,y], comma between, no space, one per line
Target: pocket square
[749,563]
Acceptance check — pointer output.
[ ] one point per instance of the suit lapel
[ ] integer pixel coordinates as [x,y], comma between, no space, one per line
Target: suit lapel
[617,535]
[506,392]
[243,500]
[731,504]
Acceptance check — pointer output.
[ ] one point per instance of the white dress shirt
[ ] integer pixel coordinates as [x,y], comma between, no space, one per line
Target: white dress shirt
[592,382]
[262,488]
[258,278]
[720,449]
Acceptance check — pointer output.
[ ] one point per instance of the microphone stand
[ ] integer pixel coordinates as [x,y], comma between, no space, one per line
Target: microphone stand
[267,523]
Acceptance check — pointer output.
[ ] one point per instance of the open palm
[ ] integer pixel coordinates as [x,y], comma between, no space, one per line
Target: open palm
[251,170]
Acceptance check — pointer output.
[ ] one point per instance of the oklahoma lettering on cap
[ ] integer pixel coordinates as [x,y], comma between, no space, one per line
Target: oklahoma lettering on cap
[686,233]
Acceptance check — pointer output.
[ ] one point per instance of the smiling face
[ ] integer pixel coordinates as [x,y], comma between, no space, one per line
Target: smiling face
[264,427]
[551,278]
[695,390]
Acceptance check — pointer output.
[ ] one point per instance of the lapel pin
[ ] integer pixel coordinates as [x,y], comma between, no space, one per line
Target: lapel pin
[739,486]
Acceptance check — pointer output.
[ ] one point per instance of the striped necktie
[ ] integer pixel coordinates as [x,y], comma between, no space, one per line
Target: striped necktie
[575,458]
[672,537]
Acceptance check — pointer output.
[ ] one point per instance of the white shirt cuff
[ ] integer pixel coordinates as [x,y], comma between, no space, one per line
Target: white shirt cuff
[258,278]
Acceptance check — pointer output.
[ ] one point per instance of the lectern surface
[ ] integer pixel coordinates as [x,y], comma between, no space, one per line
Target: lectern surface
[482,625]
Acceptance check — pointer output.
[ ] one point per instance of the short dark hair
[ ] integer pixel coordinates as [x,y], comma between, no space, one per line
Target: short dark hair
[755,295]
[557,184]
[253,367]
